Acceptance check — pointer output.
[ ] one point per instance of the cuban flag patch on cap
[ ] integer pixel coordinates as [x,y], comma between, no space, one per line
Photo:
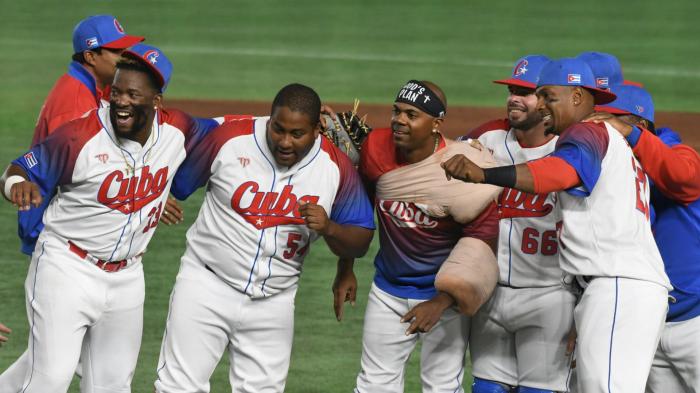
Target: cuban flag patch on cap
[30,160]
[91,42]
[601,82]
[574,78]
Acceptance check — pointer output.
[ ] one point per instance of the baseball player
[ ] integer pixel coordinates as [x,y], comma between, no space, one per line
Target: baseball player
[674,169]
[107,176]
[605,240]
[415,241]
[518,339]
[274,186]
[98,42]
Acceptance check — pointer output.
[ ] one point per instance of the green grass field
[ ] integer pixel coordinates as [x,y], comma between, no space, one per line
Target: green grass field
[366,49]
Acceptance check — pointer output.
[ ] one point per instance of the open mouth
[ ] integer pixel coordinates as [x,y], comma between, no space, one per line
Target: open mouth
[123,116]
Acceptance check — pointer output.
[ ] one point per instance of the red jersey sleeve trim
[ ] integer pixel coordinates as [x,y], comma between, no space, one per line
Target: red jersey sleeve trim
[499,124]
[551,174]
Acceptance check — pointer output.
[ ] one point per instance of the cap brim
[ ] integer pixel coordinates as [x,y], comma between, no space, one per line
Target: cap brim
[125,42]
[516,82]
[138,57]
[610,109]
[601,96]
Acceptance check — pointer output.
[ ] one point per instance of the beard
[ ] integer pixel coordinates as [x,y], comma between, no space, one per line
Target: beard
[139,120]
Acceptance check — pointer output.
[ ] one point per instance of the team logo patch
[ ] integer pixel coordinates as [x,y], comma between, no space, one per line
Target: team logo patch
[639,108]
[118,26]
[151,56]
[30,160]
[601,82]
[520,68]
[92,42]
[574,78]
[103,157]
[244,161]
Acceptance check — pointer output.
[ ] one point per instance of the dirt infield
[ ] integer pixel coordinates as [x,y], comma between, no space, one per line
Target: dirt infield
[458,121]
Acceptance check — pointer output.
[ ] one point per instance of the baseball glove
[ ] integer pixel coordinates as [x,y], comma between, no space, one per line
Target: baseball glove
[347,131]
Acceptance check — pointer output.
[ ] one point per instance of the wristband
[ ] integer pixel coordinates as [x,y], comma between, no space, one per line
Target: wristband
[11,181]
[633,137]
[504,176]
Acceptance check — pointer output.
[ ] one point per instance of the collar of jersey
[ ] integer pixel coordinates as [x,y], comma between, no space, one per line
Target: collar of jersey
[82,75]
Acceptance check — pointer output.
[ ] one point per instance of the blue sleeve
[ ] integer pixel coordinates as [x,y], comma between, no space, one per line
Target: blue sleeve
[48,165]
[351,205]
[583,146]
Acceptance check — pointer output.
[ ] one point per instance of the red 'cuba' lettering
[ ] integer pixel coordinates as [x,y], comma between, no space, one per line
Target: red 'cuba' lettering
[269,209]
[514,203]
[134,192]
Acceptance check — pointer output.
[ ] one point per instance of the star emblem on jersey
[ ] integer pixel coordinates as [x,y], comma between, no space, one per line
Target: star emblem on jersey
[269,209]
[130,194]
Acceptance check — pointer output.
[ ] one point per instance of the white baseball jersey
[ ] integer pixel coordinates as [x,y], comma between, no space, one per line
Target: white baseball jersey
[249,231]
[606,230]
[527,241]
[110,190]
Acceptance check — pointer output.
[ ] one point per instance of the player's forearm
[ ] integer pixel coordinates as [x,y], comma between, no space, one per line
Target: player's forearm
[674,170]
[348,241]
[513,176]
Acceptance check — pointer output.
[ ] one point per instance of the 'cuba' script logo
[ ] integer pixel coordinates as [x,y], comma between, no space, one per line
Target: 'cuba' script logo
[133,193]
[407,215]
[513,203]
[268,209]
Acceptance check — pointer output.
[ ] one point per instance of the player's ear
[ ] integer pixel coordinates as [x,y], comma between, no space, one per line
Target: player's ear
[437,122]
[89,57]
[317,129]
[577,96]
[158,101]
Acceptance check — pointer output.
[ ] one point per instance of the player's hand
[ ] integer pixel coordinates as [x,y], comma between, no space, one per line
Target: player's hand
[461,168]
[344,290]
[4,329]
[598,117]
[172,213]
[426,314]
[315,216]
[24,194]
[326,110]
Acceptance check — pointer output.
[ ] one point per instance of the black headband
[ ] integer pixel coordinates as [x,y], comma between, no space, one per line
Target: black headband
[419,95]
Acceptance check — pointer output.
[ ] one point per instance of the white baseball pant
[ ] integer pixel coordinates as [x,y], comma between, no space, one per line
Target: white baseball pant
[206,317]
[619,322]
[519,337]
[386,347]
[72,305]
[676,366]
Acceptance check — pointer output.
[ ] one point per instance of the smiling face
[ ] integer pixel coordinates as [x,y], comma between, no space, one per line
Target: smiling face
[133,100]
[412,128]
[290,135]
[556,105]
[522,108]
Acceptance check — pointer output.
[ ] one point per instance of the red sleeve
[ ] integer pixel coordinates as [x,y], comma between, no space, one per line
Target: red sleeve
[499,124]
[485,226]
[551,174]
[674,170]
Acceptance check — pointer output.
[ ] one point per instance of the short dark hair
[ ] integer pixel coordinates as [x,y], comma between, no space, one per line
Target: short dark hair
[299,98]
[80,56]
[131,64]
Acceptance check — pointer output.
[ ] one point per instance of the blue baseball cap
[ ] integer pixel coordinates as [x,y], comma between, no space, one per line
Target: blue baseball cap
[606,68]
[155,59]
[572,72]
[631,100]
[526,71]
[101,31]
